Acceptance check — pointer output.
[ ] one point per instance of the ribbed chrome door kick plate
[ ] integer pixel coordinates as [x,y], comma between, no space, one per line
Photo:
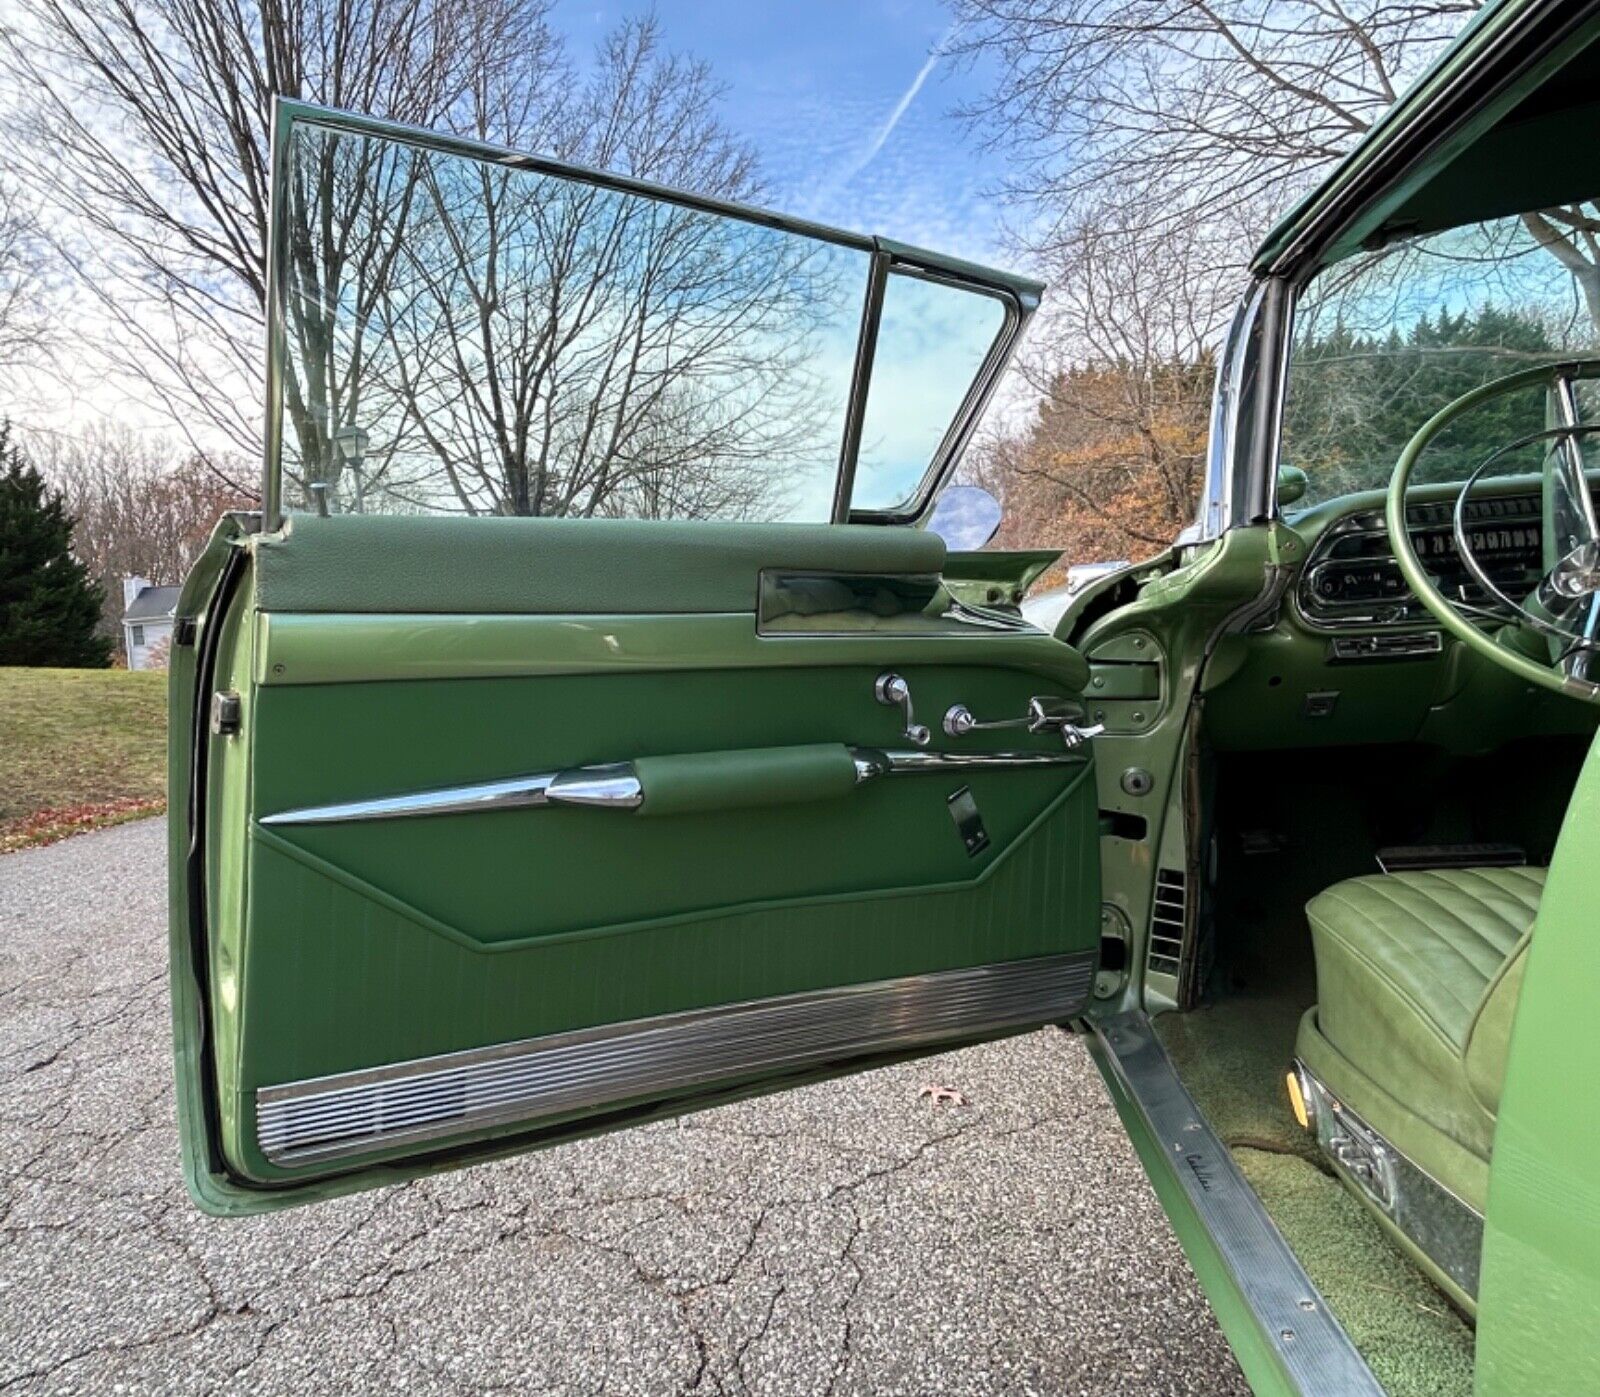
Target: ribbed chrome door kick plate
[352,1113]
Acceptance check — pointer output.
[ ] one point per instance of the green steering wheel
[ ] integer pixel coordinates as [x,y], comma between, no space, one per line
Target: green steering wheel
[1564,607]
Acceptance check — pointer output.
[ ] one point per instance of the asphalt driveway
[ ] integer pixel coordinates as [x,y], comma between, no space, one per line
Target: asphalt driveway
[842,1238]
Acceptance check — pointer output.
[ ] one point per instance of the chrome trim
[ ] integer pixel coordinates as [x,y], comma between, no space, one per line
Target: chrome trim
[616,786]
[871,762]
[518,793]
[612,787]
[1020,295]
[892,690]
[354,1113]
[1439,1223]
[1292,1318]
[1045,711]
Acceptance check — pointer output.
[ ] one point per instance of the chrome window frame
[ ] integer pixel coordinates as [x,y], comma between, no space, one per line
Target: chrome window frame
[1247,413]
[1020,296]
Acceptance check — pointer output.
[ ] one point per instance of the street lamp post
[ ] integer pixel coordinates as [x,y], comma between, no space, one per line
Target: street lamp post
[351,444]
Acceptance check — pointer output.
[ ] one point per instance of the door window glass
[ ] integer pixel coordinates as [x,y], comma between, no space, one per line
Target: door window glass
[463,336]
[933,340]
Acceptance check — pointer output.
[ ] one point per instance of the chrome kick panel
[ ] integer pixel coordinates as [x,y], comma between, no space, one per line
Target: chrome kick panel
[1446,1229]
[354,1113]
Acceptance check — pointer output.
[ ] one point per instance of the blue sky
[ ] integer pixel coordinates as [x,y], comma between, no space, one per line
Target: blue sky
[849,106]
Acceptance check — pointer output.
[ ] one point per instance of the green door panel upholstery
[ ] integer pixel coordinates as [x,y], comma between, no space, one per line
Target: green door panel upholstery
[432,563]
[758,867]
[299,648]
[740,779]
[1416,984]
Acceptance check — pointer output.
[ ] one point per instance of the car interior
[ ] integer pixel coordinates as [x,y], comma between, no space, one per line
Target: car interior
[1364,802]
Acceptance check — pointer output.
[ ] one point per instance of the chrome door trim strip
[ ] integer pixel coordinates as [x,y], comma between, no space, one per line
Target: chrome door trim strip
[518,793]
[871,762]
[615,786]
[1292,1317]
[355,1113]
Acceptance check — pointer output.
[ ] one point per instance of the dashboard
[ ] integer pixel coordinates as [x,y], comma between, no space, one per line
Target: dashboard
[1351,581]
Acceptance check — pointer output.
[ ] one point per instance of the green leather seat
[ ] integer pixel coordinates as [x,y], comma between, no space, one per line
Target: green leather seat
[1417,980]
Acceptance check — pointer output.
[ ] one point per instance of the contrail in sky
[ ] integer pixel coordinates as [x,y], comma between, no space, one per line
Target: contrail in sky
[881,136]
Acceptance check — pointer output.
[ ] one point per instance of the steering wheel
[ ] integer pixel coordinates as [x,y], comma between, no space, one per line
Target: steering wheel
[1563,609]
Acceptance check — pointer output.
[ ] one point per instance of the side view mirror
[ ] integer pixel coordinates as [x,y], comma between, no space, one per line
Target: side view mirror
[966,517]
[1292,483]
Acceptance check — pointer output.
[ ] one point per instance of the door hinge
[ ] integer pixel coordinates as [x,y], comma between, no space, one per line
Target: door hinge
[226,711]
[183,630]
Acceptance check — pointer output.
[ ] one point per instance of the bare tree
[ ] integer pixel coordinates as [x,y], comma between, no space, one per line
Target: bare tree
[24,327]
[1175,109]
[1153,143]
[142,507]
[1111,462]
[144,124]
[502,340]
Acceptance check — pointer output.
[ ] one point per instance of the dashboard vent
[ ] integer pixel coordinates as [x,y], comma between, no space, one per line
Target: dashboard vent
[1167,921]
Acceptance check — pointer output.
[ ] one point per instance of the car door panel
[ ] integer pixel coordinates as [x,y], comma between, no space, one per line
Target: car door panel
[389,988]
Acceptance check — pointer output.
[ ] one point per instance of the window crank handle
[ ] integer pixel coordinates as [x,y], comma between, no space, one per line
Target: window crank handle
[892,690]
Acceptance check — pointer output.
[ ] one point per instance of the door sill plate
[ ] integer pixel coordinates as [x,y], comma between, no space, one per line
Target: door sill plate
[1294,1320]
[354,1113]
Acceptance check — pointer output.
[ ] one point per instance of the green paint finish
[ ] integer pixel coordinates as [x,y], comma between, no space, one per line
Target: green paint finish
[1539,1292]
[1382,184]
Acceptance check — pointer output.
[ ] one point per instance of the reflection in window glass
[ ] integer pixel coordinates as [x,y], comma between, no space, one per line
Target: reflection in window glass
[463,336]
[1385,339]
[932,341]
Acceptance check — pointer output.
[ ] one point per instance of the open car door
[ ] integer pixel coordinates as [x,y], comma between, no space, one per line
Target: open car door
[490,829]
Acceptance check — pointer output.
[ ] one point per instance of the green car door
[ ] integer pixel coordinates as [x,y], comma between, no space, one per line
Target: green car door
[491,828]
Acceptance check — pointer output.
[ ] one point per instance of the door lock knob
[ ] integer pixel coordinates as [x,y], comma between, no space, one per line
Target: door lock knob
[892,690]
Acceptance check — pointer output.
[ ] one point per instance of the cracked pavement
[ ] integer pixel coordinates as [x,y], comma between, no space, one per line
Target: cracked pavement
[841,1238]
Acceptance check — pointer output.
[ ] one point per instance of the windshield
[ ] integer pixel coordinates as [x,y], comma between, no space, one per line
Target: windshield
[1385,339]
[479,334]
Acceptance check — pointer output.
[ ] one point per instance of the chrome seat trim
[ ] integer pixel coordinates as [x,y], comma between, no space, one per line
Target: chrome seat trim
[1291,1315]
[1442,1225]
[354,1113]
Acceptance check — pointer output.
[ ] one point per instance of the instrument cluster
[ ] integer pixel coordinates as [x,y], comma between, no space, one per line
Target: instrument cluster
[1351,580]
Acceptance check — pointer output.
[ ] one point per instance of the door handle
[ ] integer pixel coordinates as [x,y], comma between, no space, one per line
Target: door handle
[1045,713]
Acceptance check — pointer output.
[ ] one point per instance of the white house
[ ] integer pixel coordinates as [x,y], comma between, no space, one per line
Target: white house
[147,615]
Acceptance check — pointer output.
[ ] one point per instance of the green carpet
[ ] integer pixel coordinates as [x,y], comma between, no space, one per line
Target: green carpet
[1415,1344]
[1232,1056]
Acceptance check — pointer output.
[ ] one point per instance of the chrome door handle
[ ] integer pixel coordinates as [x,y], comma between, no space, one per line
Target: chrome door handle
[1045,712]
[892,690]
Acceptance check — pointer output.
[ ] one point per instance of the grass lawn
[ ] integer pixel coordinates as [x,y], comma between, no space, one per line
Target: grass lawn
[79,748]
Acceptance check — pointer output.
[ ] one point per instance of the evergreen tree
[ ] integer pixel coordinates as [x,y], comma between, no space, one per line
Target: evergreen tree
[1355,400]
[48,605]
